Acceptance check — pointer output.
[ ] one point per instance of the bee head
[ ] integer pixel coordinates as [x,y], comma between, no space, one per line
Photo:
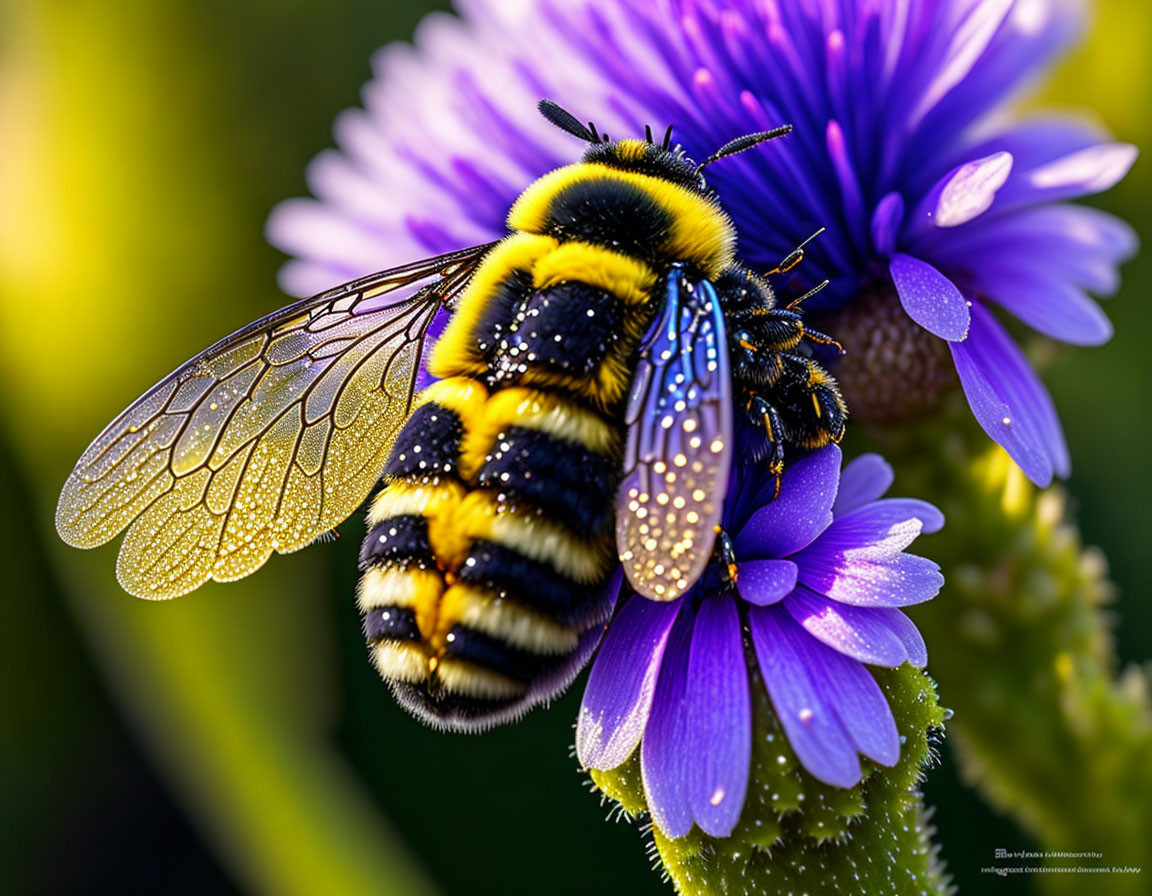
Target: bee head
[663,160]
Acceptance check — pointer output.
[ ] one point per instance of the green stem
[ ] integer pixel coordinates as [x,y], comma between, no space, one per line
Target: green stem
[797,835]
[1020,643]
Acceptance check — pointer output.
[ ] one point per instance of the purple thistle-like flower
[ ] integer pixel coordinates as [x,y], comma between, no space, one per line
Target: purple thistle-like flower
[901,149]
[822,573]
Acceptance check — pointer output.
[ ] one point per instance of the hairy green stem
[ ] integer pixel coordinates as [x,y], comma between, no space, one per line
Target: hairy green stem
[1019,642]
[797,835]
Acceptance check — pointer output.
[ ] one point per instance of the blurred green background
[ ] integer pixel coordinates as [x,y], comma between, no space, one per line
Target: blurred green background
[237,741]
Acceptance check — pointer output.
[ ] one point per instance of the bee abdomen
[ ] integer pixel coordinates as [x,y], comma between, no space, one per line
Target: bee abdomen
[484,560]
[555,475]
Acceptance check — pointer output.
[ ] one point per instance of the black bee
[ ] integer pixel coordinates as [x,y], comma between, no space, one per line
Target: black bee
[597,366]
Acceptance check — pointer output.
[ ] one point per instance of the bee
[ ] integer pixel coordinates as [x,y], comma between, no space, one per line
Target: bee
[598,367]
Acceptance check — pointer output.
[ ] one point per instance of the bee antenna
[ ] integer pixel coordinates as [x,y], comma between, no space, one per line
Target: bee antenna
[796,303]
[648,132]
[566,121]
[667,137]
[732,147]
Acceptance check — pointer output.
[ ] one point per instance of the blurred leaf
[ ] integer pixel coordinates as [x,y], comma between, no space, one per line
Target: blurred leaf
[123,251]
[1019,641]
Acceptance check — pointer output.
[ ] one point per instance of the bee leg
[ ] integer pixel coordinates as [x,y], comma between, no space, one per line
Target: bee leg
[805,384]
[822,339]
[796,303]
[722,571]
[761,414]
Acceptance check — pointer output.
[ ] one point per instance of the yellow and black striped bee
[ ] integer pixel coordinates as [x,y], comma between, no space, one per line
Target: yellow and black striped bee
[597,365]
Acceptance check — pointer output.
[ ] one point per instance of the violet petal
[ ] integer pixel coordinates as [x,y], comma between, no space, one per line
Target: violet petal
[664,761]
[764,582]
[861,633]
[930,298]
[803,510]
[719,718]
[898,581]
[1008,399]
[788,658]
[622,682]
[864,479]
[861,707]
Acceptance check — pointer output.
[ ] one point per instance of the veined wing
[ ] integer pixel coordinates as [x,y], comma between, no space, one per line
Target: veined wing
[265,440]
[679,444]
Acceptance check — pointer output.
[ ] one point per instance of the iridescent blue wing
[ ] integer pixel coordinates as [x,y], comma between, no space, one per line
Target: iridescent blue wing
[679,444]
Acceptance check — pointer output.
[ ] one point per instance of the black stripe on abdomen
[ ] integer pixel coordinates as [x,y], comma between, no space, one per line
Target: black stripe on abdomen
[427,445]
[570,327]
[391,624]
[497,655]
[535,585]
[493,331]
[570,482]
[401,540]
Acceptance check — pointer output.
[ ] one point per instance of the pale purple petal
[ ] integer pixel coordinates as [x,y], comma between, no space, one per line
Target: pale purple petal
[898,581]
[967,43]
[1058,159]
[313,229]
[1008,399]
[664,761]
[881,523]
[968,190]
[1085,171]
[872,532]
[931,519]
[905,629]
[764,582]
[861,707]
[864,479]
[719,739]
[622,682]
[1048,304]
[886,222]
[1033,143]
[1082,246]
[788,658]
[1004,423]
[861,633]
[930,298]
[803,510]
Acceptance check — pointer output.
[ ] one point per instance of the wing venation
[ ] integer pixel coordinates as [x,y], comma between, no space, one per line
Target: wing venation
[265,440]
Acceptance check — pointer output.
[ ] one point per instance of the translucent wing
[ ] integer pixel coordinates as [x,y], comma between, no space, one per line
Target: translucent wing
[679,444]
[265,440]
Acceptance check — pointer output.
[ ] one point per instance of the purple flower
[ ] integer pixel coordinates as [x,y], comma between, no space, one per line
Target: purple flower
[821,574]
[902,149]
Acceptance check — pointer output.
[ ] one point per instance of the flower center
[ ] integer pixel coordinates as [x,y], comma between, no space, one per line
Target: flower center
[893,370]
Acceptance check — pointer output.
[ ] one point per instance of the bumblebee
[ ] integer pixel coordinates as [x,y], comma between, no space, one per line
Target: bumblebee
[601,366]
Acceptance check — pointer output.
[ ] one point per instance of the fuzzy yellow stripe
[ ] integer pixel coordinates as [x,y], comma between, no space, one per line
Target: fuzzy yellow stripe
[470,680]
[548,412]
[462,395]
[625,277]
[456,352]
[404,498]
[506,620]
[481,516]
[701,232]
[400,662]
[419,589]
